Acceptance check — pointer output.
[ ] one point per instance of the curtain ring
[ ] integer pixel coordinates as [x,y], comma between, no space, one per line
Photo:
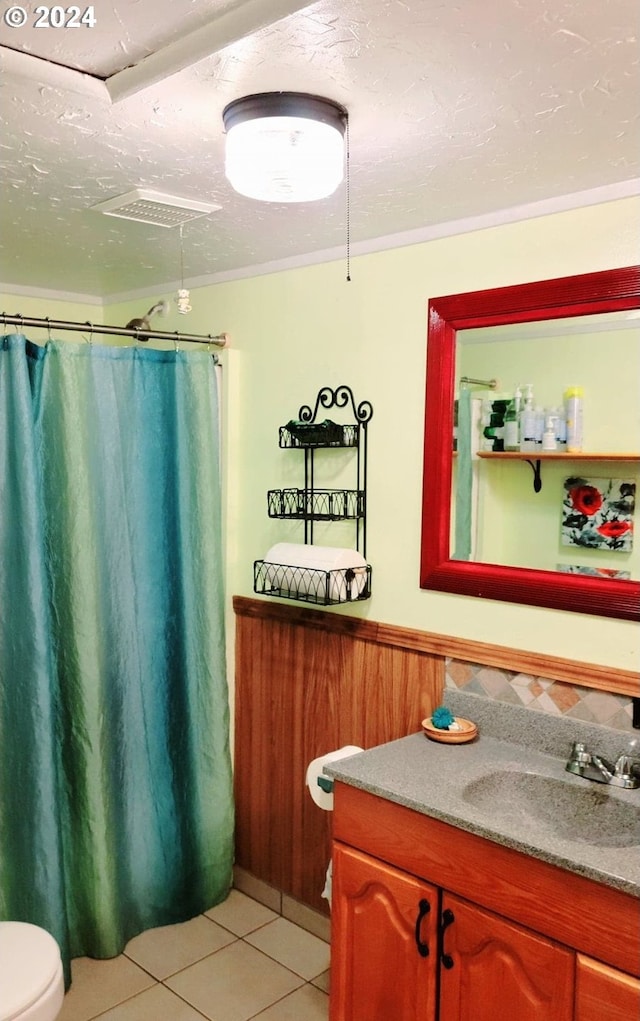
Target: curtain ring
[21,325]
[175,341]
[48,322]
[90,340]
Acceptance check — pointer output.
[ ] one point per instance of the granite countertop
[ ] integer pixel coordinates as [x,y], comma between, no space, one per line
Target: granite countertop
[449,782]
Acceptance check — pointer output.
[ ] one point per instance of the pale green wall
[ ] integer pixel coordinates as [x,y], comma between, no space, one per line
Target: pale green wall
[293,332]
[74,311]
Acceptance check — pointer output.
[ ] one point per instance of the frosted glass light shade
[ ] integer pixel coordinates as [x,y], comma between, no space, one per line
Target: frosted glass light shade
[284,147]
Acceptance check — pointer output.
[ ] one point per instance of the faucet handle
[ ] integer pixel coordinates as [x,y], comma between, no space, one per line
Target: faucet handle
[626,772]
[579,753]
[627,766]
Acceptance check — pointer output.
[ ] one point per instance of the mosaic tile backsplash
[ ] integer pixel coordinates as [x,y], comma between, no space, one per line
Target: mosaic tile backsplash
[556,697]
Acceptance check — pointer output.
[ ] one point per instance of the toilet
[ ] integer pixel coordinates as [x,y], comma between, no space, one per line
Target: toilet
[31,976]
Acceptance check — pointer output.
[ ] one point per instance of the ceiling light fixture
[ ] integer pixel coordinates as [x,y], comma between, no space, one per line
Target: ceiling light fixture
[284,146]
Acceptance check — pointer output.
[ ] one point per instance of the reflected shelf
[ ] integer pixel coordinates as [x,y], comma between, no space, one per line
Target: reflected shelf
[534,457]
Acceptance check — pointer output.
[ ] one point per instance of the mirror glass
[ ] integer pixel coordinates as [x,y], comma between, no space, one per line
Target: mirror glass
[512,524]
[545,525]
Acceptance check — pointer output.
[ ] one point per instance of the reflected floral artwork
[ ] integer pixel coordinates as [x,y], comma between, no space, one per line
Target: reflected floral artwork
[595,572]
[598,513]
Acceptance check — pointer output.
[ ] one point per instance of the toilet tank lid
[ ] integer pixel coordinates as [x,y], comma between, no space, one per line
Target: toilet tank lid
[30,959]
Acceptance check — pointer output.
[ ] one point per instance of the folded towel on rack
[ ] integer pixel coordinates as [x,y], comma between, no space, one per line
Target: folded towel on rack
[324,572]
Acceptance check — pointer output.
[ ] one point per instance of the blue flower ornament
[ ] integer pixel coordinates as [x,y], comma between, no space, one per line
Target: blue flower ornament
[442,718]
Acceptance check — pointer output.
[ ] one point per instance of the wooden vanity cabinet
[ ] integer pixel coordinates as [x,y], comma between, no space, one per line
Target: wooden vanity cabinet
[507,937]
[495,970]
[386,925]
[392,961]
[605,994]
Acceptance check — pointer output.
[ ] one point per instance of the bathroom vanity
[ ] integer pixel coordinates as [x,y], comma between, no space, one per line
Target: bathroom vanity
[464,890]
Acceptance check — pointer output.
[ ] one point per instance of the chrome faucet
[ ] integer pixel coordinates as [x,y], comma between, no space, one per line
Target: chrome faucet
[625,772]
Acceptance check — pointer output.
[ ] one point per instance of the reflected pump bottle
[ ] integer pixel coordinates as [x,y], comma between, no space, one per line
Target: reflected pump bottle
[573,408]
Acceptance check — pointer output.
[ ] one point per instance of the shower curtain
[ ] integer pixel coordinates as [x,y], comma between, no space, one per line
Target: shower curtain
[116,811]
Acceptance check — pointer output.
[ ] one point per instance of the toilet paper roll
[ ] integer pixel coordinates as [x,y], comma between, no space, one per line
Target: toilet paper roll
[324,799]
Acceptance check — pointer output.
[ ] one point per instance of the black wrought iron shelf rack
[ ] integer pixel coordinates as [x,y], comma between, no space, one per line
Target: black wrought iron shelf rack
[309,504]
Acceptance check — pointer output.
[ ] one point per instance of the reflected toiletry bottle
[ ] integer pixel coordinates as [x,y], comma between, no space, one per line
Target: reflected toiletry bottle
[573,406]
[539,428]
[550,429]
[561,431]
[511,430]
[528,426]
[486,443]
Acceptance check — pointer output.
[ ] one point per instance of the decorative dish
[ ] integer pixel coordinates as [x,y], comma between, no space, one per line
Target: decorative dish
[466,732]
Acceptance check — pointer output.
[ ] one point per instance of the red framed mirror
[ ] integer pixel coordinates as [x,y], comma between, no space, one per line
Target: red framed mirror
[567,297]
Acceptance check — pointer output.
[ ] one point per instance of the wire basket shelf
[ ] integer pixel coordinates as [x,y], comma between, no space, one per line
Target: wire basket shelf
[319,504]
[310,585]
[318,434]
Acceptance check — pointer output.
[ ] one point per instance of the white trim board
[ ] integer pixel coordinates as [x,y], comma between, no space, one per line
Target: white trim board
[530,211]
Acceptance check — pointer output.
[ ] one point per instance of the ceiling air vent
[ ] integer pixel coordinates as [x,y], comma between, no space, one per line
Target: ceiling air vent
[154,207]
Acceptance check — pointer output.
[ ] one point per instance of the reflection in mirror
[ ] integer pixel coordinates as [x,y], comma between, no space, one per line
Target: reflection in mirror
[565,526]
[548,527]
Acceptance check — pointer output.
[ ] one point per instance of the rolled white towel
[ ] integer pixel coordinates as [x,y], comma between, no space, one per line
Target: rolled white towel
[311,565]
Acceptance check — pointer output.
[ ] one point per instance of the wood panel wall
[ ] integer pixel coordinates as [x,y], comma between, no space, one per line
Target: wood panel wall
[308,681]
[301,690]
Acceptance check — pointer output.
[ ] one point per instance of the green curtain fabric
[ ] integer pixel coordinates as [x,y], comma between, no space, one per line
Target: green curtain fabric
[117,624]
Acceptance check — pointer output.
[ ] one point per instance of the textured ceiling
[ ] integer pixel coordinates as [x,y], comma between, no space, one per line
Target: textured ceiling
[455,110]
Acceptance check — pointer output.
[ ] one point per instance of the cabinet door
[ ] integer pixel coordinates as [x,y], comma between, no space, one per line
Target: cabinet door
[494,970]
[383,942]
[604,994]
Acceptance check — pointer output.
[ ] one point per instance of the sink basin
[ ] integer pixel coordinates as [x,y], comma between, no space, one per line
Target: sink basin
[591,813]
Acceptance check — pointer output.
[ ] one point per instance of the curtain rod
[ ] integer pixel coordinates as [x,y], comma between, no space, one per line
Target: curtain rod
[490,384]
[219,340]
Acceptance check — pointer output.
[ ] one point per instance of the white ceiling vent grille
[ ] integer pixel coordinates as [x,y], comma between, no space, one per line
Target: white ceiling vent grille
[154,207]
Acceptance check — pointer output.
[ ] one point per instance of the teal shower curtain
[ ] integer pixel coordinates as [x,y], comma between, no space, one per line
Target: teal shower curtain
[116,811]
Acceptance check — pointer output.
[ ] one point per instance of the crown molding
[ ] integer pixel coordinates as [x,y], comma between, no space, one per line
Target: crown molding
[42,292]
[499,218]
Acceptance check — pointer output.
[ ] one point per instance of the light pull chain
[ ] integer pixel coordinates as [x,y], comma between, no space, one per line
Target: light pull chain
[348,191]
[184,304]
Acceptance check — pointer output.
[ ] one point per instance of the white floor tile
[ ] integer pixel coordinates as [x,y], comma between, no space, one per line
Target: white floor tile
[171,948]
[322,981]
[98,985]
[234,984]
[292,947]
[155,1004]
[305,1004]
[240,914]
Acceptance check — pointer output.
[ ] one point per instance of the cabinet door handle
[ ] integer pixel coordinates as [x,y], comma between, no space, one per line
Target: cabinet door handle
[448,918]
[424,908]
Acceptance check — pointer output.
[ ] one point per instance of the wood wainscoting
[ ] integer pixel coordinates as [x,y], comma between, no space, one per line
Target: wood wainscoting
[308,681]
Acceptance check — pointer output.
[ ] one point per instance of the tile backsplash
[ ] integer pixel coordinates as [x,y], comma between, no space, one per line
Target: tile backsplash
[558,698]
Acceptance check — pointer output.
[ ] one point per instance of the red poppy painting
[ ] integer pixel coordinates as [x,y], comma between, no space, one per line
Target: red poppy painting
[598,513]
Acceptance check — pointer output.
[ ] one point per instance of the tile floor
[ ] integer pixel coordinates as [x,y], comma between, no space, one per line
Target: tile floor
[237,962]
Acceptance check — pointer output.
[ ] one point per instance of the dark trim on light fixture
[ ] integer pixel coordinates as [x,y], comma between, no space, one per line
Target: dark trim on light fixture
[285,104]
